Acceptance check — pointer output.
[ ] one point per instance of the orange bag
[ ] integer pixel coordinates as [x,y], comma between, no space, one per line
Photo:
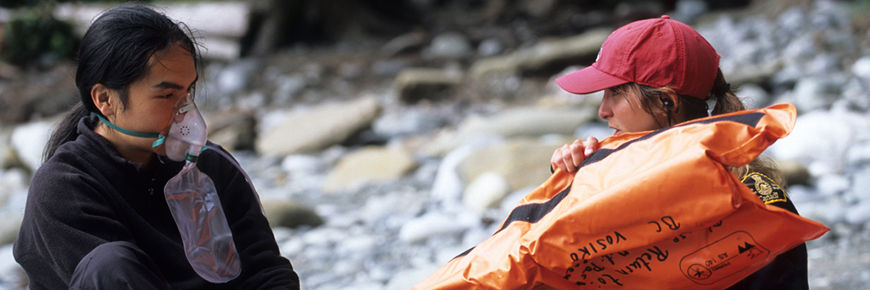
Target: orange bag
[652,210]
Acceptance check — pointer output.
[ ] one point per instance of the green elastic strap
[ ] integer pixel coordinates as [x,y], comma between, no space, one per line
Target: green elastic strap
[158,142]
[193,158]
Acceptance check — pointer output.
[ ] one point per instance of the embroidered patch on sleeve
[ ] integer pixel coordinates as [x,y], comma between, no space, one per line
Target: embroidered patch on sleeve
[764,188]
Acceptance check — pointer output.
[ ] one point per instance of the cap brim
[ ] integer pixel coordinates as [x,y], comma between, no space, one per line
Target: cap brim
[588,80]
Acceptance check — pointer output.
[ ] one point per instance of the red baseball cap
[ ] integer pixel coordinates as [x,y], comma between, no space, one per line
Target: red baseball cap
[654,52]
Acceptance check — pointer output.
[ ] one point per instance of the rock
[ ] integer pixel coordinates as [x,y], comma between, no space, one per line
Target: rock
[490,47]
[760,73]
[793,172]
[832,184]
[404,42]
[8,156]
[299,163]
[520,122]
[431,224]
[11,274]
[235,78]
[283,213]
[394,204]
[10,224]
[801,48]
[561,51]
[754,97]
[415,84]
[368,165]
[859,154]
[821,136]
[447,186]
[486,191]
[220,37]
[316,128]
[522,162]
[859,214]
[538,8]
[450,45]
[12,182]
[861,185]
[407,121]
[288,87]
[232,130]
[861,68]
[829,211]
[813,93]
[29,141]
[406,279]
[688,10]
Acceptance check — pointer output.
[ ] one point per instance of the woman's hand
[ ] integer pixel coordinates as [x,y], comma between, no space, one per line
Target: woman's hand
[569,156]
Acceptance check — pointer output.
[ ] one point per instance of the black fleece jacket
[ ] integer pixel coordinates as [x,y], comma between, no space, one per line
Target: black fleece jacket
[87,194]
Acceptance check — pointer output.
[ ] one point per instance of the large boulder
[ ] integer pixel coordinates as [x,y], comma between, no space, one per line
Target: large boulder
[543,54]
[520,122]
[368,165]
[312,129]
[522,162]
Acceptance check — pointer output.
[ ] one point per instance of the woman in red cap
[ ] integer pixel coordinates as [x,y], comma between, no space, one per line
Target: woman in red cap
[656,73]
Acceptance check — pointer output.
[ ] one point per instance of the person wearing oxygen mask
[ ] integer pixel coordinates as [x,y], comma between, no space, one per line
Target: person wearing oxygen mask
[131,195]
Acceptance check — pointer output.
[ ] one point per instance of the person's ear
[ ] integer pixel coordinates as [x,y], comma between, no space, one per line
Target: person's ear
[670,103]
[103,99]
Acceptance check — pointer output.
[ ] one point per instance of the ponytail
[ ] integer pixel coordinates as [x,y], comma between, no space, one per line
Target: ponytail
[726,100]
[65,131]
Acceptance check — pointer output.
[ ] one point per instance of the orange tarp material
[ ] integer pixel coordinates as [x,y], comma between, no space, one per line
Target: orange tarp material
[651,210]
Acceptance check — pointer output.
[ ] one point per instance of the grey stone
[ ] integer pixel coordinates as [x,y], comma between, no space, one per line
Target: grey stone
[319,127]
[522,162]
[520,122]
[450,45]
[793,172]
[29,140]
[414,84]
[366,166]
[753,95]
[486,191]
[813,93]
[284,213]
[234,130]
[541,54]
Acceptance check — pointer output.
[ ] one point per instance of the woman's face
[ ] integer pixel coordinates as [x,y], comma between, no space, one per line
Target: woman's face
[624,112]
[151,102]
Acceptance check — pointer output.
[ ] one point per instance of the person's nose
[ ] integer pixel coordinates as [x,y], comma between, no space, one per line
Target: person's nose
[604,110]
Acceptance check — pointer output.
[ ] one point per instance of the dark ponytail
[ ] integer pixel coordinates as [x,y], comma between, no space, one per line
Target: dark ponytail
[726,100]
[115,52]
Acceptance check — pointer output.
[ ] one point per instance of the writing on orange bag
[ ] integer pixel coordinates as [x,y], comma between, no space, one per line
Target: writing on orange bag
[653,210]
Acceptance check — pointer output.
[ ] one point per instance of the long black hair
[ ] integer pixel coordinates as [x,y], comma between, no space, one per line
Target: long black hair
[115,52]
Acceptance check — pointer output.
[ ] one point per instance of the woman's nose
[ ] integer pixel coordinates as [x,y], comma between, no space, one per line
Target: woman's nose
[604,109]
